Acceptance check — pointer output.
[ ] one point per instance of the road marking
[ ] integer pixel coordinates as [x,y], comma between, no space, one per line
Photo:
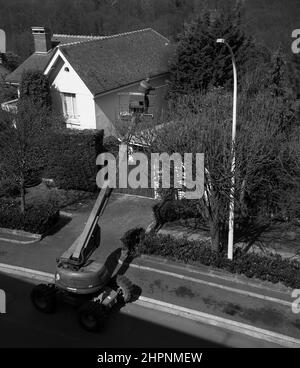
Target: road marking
[205,318]
[26,272]
[216,321]
[192,269]
[209,283]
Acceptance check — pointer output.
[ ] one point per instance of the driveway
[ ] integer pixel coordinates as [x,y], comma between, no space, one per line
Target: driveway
[123,212]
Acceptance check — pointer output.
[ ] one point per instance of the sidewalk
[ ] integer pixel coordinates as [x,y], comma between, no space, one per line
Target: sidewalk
[217,293]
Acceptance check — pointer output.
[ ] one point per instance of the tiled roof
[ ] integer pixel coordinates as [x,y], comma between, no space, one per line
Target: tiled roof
[62,39]
[36,61]
[106,62]
[39,61]
[115,61]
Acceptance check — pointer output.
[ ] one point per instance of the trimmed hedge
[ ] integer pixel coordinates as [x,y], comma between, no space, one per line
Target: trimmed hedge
[70,158]
[38,218]
[268,268]
[172,210]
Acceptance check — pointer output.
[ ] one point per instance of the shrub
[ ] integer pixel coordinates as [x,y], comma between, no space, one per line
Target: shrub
[132,238]
[270,268]
[173,210]
[9,188]
[38,217]
[71,158]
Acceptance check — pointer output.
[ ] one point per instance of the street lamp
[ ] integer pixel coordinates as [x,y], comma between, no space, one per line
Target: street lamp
[231,200]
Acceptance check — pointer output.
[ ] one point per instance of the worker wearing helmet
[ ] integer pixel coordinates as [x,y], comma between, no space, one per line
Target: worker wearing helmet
[145,87]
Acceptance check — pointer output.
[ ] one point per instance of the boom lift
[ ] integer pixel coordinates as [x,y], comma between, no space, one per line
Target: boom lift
[80,280]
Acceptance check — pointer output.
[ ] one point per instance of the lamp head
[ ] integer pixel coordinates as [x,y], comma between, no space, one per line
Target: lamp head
[220,40]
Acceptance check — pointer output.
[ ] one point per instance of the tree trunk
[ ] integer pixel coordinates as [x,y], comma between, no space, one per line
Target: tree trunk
[214,230]
[22,190]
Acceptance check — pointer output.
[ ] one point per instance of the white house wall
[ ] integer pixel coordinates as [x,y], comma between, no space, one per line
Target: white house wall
[70,82]
[107,105]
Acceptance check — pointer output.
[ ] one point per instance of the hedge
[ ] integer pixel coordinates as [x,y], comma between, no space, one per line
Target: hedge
[38,218]
[70,158]
[267,268]
[172,210]
[9,188]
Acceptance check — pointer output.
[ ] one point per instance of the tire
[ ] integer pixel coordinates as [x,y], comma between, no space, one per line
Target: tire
[126,288]
[91,316]
[43,298]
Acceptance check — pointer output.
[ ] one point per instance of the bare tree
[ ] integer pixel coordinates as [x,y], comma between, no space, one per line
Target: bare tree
[20,140]
[267,165]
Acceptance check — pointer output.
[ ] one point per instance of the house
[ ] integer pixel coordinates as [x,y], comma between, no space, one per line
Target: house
[92,78]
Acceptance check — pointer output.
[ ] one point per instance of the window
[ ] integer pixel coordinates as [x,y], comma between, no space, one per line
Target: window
[69,105]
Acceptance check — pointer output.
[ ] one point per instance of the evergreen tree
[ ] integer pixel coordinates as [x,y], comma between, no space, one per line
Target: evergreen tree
[277,74]
[294,79]
[199,62]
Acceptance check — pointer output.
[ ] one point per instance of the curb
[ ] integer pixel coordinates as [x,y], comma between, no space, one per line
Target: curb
[199,281]
[26,272]
[36,237]
[66,214]
[212,272]
[212,320]
[205,318]
[136,196]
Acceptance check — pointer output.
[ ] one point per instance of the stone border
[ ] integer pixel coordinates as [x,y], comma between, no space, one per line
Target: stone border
[35,237]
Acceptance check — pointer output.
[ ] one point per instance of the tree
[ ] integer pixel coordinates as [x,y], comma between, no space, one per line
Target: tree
[7,92]
[264,157]
[294,79]
[199,62]
[10,60]
[35,86]
[20,140]
[23,131]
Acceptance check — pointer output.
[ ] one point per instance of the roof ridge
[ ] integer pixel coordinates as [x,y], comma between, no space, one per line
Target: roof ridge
[109,36]
[70,35]
[129,32]
[97,38]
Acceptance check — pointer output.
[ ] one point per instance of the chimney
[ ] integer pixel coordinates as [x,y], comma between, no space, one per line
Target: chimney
[2,44]
[42,39]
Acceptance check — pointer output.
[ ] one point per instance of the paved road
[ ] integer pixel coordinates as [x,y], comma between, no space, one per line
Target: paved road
[122,213]
[133,326]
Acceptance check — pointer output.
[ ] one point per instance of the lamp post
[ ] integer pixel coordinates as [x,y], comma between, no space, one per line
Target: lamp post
[231,200]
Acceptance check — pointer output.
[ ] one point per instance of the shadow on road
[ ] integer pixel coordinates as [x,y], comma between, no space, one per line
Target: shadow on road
[132,326]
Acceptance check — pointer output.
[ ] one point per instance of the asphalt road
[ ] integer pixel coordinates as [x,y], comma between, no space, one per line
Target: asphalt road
[132,326]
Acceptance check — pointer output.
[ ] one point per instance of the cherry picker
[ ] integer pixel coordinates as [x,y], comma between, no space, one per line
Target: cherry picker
[80,280]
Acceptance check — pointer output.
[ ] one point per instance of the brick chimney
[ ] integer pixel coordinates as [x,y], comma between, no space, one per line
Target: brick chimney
[42,39]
